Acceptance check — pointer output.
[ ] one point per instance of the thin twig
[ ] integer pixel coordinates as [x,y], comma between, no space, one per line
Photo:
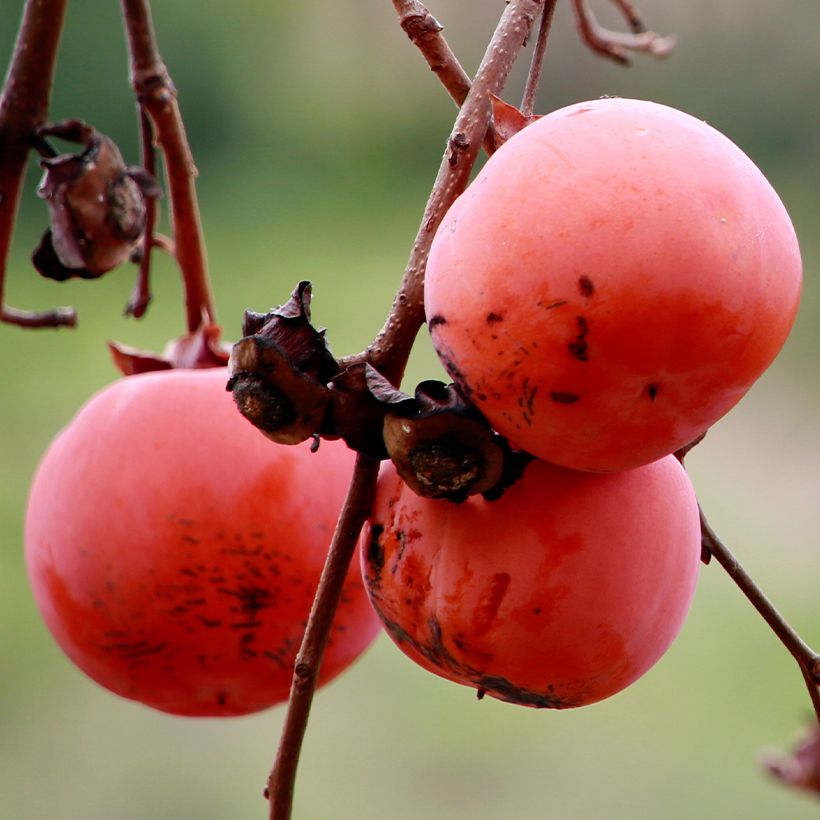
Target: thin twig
[23,108]
[156,94]
[807,659]
[614,44]
[389,352]
[141,295]
[308,662]
[537,63]
[424,32]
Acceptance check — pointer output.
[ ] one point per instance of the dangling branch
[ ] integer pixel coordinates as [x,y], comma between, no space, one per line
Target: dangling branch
[156,94]
[23,108]
[615,44]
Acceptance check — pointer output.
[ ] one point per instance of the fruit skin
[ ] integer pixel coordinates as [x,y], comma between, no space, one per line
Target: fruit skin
[174,552]
[561,593]
[612,283]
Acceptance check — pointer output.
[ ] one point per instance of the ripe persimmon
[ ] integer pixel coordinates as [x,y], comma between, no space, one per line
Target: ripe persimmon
[174,551]
[612,283]
[561,593]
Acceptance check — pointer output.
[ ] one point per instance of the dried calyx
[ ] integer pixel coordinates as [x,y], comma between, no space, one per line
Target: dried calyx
[96,204]
[441,445]
[280,370]
[286,382]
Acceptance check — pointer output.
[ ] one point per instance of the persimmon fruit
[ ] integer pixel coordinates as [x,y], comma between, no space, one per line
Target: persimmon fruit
[561,593]
[174,552]
[612,283]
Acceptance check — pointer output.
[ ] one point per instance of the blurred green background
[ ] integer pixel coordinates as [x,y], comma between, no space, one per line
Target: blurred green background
[317,130]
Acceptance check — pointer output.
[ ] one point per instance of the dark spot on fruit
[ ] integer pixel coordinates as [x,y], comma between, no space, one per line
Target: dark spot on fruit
[585,286]
[579,348]
[504,689]
[247,625]
[252,600]
[652,391]
[401,537]
[559,303]
[272,656]
[208,622]
[492,318]
[221,698]
[564,398]
[245,650]
[135,650]
[375,554]
[438,319]
[528,397]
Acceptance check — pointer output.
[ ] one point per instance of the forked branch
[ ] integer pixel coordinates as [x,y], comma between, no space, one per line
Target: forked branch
[616,44]
[389,352]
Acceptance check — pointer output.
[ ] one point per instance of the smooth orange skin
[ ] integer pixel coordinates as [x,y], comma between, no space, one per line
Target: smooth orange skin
[174,551]
[561,593]
[612,283]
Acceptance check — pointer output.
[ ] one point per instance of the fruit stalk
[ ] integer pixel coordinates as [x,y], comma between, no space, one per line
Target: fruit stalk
[424,32]
[309,659]
[23,107]
[157,96]
[390,351]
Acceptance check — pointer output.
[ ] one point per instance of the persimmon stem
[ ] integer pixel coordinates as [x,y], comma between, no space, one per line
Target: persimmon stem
[309,659]
[807,659]
[157,96]
[389,351]
[537,62]
[424,31]
[23,107]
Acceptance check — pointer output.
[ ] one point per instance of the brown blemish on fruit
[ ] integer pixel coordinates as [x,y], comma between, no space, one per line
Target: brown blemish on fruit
[375,555]
[435,653]
[652,391]
[492,318]
[564,398]
[503,689]
[252,600]
[487,610]
[438,319]
[526,401]
[585,286]
[579,349]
